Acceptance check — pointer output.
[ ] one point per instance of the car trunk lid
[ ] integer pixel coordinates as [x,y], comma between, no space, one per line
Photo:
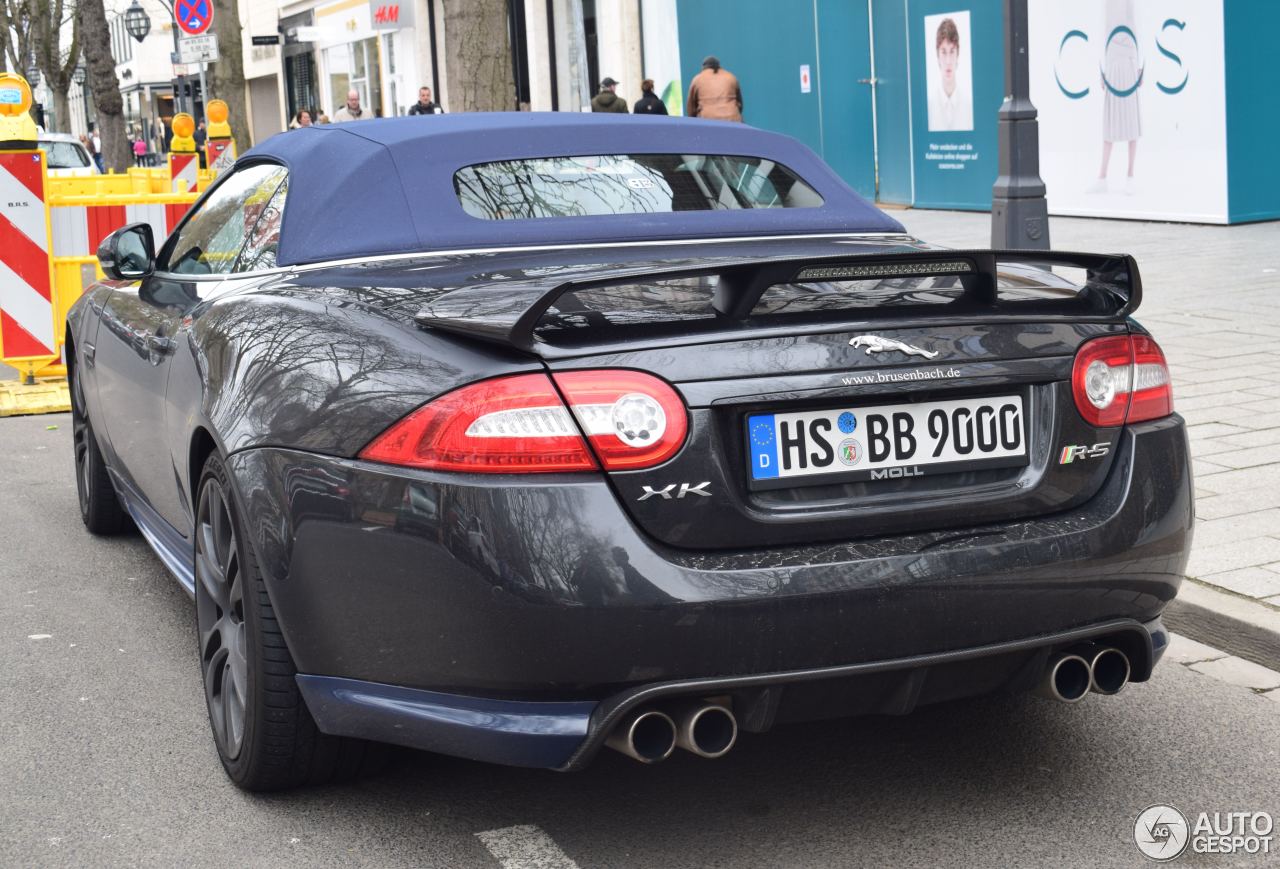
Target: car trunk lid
[804,350]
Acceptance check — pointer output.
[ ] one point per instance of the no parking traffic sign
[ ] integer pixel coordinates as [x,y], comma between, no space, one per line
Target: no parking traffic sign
[193,16]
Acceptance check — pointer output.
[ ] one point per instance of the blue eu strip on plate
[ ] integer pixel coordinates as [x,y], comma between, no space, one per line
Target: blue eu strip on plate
[764,447]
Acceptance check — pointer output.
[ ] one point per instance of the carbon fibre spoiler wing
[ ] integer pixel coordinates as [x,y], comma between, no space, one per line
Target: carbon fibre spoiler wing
[507,313]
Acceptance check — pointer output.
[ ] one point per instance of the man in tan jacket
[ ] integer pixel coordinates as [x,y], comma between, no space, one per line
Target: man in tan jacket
[714,94]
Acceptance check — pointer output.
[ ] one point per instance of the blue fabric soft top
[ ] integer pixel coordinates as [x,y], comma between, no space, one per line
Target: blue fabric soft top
[386,186]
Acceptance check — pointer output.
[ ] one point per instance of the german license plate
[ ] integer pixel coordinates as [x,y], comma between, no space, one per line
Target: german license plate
[892,441]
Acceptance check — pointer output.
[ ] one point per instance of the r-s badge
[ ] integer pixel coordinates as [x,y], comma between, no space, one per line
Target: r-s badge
[1079,452]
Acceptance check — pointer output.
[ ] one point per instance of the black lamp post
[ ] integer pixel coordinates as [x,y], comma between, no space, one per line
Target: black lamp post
[33,73]
[1019,213]
[137,21]
[79,75]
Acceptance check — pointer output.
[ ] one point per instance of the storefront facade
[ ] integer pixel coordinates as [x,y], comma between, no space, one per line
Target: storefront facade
[1147,109]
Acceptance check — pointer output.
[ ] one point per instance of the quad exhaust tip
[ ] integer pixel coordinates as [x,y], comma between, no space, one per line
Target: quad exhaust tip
[702,727]
[1067,678]
[646,735]
[1073,674]
[1109,671]
[706,729]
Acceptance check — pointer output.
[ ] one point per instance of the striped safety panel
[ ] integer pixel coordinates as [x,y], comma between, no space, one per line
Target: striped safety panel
[26,278]
[184,167]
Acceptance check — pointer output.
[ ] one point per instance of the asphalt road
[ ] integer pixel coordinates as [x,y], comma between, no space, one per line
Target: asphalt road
[106,759]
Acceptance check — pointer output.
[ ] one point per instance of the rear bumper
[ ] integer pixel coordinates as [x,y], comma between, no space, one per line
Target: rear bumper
[489,587]
[567,735]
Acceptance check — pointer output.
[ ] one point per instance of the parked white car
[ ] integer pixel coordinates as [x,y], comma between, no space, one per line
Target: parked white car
[65,155]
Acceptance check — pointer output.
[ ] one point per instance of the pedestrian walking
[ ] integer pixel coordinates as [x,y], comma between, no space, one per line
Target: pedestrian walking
[139,151]
[608,100]
[649,104]
[352,110]
[96,150]
[424,105]
[201,137]
[714,93]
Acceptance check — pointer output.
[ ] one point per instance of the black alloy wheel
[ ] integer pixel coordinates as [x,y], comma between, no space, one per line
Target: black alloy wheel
[262,729]
[100,507]
[220,615]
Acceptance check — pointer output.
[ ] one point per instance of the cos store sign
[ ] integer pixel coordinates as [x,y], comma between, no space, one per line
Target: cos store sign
[1131,98]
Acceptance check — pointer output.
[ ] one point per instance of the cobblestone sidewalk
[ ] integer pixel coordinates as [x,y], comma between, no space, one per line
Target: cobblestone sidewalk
[1211,297]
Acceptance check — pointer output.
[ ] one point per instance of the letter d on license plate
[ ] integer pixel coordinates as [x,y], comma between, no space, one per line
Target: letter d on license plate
[887,442]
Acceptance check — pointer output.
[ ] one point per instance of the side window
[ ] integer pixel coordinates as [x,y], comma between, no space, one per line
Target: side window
[260,248]
[211,240]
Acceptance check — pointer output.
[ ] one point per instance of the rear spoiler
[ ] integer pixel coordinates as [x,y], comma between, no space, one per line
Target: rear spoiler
[507,313]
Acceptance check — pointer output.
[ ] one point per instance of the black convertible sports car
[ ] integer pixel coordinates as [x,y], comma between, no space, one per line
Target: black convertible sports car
[516,436]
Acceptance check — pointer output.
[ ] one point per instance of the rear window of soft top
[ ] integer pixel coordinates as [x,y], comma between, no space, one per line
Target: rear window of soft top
[599,185]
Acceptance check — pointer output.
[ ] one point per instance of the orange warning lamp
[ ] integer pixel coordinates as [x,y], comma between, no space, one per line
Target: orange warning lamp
[17,128]
[216,113]
[183,126]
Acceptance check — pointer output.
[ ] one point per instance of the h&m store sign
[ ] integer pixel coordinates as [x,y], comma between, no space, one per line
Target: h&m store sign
[390,15]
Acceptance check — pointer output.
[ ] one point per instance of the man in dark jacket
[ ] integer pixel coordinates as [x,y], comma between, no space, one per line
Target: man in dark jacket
[424,105]
[608,100]
[649,104]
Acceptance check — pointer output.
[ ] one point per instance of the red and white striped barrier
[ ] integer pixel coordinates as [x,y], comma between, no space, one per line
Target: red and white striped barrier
[184,167]
[79,229]
[26,273]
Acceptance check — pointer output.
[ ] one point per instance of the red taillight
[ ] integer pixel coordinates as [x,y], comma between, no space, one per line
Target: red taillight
[1152,386]
[1121,378]
[633,420]
[520,424]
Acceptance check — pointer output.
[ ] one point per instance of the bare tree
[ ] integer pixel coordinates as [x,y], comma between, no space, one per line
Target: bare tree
[101,68]
[228,73]
[46,36]
[477,52]
[15,33]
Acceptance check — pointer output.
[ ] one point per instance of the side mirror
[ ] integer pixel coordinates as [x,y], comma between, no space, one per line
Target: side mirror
[129,253]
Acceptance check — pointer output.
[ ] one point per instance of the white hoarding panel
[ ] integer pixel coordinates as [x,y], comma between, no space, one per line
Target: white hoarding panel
[1131,96]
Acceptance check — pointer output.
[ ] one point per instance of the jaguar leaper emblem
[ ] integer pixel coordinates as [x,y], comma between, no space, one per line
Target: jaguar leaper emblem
[876,344]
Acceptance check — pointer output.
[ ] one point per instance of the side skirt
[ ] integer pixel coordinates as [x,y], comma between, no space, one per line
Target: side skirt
[175,551]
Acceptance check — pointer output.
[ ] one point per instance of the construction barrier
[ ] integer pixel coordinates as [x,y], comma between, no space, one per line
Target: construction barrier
[50,229]
[32,310]
[26,267]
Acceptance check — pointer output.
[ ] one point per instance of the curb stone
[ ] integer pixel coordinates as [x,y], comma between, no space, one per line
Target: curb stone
[1238,625]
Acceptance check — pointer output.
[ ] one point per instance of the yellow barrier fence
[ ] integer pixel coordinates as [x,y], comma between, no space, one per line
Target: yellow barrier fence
[50,235]
[83,211]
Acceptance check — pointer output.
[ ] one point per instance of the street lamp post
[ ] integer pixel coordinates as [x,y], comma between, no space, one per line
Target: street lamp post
[138,23]
[1019,213]
[79,76]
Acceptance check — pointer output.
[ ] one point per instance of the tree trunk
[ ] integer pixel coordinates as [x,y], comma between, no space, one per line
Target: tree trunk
[226,79]
[46,42]
[477,56]
[62,110]
[101,67]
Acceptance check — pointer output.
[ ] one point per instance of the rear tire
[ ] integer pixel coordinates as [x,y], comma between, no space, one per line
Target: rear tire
[263,731]
[100,507]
